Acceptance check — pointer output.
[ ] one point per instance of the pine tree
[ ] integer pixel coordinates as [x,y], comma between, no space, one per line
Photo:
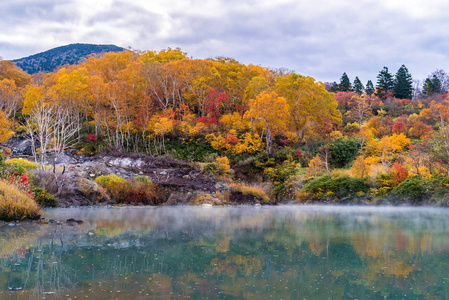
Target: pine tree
[403,84]
[345,84]
[384,82]
[358,86]
[369,90]
[432,86]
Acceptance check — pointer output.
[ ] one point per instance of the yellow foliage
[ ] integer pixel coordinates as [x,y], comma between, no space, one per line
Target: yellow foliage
[423,172]
[315,167]
[27,164]
[230,122]
[5,128]
[217,142]
[399,141]
[163,126]
[381,112]
[335,135]
[371,160]
[360,168]
[223,165]
[128,127]
[249,143]
[33,95]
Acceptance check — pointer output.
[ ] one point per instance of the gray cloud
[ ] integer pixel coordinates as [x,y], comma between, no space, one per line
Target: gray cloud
[320,38]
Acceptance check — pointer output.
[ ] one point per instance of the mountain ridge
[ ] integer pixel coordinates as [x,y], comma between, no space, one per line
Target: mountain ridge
[51,59]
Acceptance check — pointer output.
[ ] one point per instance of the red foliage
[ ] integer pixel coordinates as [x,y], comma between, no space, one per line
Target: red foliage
[231,140]
[22,182]
[399,127]
[400,173]
[212,107]
[91,137]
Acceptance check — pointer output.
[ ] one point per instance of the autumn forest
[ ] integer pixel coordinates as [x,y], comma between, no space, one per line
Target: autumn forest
[271,132]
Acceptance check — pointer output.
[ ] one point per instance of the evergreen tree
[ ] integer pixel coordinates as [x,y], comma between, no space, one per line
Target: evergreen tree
[369,90]
[403,84]
[358,86]
[345,84]
[384,82]
[432,86]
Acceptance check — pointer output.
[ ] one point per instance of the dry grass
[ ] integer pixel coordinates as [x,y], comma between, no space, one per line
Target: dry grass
[139,190]
[16,205]
[256,190]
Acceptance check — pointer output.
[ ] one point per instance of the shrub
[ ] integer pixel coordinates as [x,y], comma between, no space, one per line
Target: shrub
[220,167]
[343,151]
[210,168]
[18,162]
[413,188]
[116,186]
[340,186]
[385,181]
[140,190]
[15,204]
[281,174]
[43,198]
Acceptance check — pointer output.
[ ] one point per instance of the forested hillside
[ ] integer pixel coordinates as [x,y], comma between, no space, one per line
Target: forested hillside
[65,55]
[305,140]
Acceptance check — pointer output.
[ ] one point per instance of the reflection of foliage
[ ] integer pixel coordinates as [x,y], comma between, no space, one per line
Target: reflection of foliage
[252,254]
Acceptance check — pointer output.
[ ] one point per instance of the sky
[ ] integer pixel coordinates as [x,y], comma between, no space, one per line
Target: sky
[318,38]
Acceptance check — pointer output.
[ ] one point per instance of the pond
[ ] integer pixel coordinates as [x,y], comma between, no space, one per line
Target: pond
[284,252]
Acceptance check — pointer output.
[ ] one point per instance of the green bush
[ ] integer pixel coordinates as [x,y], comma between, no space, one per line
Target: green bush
[210,168]
[385,181]
[340,186]
[343,151]
[413,188]
[280,175]
[43,198]
[191,150]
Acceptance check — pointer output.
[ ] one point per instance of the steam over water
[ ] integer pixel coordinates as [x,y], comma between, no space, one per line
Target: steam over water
[285,252]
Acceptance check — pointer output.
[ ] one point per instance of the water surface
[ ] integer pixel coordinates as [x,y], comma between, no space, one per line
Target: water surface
[286,252]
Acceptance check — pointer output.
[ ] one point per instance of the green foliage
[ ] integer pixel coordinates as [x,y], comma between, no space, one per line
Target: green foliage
[384,82]
[432,86]
[339,186]
[280,176]
[197,149]
[385,181]
[210,168]
[345,83]
[343,151]
[358,86]
[413,188]
[369,90]
[43,198]
[403,88]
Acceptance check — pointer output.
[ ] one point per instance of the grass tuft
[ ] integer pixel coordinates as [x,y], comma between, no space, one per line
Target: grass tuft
[16,205]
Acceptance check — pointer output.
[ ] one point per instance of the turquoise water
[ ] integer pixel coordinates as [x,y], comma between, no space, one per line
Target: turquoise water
[285,252]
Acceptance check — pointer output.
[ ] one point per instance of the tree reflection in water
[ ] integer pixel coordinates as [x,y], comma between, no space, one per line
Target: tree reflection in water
[290,252]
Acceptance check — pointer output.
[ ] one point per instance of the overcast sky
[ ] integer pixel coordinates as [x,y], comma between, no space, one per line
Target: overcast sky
[318,38]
